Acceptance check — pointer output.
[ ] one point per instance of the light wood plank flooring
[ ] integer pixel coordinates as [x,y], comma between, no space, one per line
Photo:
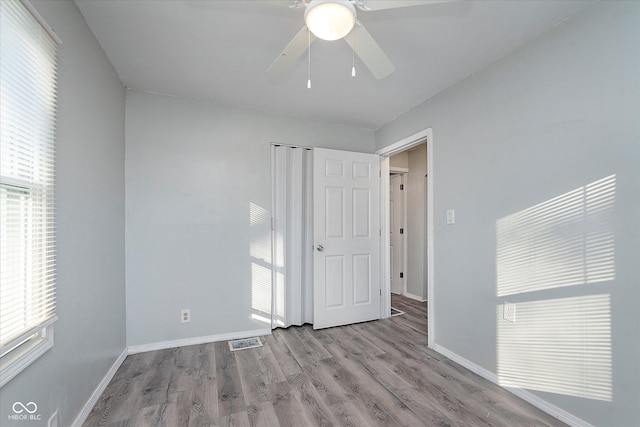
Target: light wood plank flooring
[377,373]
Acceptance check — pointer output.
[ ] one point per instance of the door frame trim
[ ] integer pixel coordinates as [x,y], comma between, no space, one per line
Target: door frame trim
[385,264]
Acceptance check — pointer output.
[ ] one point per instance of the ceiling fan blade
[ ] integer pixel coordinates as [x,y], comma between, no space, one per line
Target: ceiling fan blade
[369,52]
[372,5]
[294,50]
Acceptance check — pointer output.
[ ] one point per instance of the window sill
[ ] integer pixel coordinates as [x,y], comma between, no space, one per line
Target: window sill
[19,359]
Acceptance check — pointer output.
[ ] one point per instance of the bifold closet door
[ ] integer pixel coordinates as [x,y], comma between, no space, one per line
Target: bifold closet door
[292,172]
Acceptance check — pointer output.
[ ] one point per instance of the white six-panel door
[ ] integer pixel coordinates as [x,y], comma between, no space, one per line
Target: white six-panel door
[346,194]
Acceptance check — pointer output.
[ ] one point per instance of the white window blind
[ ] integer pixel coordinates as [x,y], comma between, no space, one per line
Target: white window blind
[27,180]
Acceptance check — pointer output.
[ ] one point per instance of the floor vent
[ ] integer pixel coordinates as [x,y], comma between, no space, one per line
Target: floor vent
[396,312]
[245,343]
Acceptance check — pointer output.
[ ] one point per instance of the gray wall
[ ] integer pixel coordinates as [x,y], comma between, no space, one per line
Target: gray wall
[90,332]
[551,117]
[417,222]
[198,203]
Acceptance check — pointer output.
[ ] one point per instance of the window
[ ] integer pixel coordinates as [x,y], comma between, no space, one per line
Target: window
[27,178]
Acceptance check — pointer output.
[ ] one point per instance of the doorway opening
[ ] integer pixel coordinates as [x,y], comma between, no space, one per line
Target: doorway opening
[397,228]
[407,246]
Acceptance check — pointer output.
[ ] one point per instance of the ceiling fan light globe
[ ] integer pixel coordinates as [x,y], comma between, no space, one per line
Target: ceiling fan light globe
[330,20]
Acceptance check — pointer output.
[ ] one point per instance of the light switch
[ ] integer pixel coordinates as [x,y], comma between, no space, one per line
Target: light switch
[451,216]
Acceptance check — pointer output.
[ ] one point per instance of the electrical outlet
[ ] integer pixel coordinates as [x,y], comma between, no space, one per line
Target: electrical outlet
[509,312]
[185,316]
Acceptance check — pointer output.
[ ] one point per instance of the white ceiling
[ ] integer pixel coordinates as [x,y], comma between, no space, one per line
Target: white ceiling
[219,51]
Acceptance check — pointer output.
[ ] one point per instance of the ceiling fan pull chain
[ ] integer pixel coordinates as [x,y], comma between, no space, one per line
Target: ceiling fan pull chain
[309,62]
[353,53]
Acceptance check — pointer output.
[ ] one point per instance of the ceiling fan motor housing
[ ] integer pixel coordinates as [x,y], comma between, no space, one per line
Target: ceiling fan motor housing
[330,19]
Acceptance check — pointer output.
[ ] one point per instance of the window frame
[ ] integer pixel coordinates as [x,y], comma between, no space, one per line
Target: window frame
[25,349]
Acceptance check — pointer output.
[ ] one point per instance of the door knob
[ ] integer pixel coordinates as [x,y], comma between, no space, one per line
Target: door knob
[320,248]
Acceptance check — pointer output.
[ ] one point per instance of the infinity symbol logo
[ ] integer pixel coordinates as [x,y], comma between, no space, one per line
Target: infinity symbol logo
[22,407]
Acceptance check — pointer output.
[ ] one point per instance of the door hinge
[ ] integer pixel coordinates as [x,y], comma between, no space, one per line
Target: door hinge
[401,187]
[380,292]
[380,174]
[401,275]
[402,231]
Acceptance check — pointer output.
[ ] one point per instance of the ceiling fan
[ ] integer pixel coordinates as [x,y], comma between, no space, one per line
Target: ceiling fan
[334,20]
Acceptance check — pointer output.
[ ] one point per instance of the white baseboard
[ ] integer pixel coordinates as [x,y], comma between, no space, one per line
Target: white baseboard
[529,397]
[161,345]
[86,409]
[415,297]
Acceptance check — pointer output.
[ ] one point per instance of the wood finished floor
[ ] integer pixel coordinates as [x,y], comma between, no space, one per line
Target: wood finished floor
[377,373]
